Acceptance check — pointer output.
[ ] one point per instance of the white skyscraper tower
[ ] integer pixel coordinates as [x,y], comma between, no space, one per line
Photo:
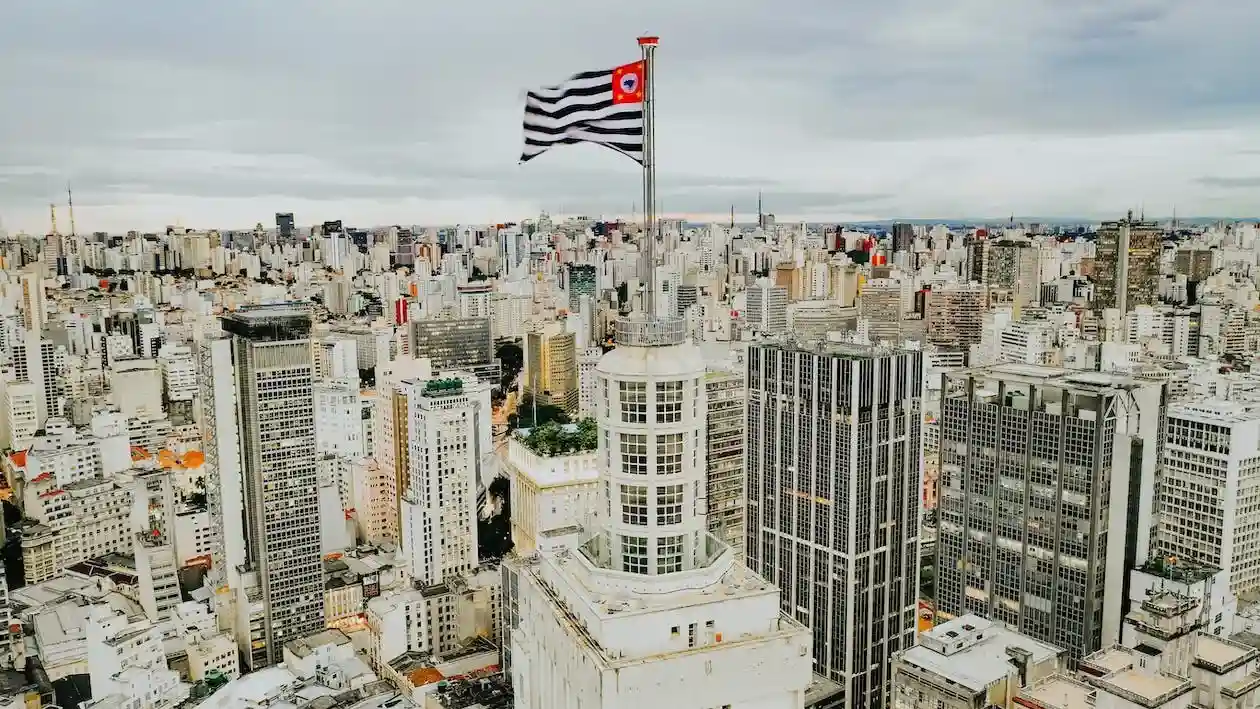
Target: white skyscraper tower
[448,434]
[221,441]
[651,610]
[652,420]
[648,609]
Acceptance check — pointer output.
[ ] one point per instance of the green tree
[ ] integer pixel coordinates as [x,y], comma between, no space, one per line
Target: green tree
[525,411]
[588,434]
[552,438]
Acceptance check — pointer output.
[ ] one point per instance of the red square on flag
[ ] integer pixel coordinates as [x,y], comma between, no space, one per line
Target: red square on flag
[627,83]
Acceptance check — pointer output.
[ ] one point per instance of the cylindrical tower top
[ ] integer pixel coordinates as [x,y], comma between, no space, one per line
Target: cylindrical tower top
[652,413]
[640,330]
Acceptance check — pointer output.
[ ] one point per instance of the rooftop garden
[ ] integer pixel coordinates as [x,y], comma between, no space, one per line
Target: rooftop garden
[554,439]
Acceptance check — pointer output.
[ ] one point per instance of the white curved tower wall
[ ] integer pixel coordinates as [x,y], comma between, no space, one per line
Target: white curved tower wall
[651,412]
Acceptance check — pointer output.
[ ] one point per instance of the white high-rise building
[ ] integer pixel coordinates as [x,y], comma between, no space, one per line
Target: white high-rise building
[28,367]
[448,436]
[1209,496]
[339,417]
[337,358]
[179,373]
[448,439]
[586,361]
[19,407]
[650,610]
[767,308]
[220,436]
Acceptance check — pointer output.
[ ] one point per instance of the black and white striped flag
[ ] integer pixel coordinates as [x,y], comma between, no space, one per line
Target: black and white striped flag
[601,107]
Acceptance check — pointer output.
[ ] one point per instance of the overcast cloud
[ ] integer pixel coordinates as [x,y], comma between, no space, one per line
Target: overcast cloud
[218,114]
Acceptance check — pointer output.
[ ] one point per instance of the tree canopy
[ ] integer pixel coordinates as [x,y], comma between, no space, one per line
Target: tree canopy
[547,413]
[551,438]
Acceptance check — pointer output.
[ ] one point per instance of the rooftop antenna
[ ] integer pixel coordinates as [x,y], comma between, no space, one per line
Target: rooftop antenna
[70,204]
[732,216]
[52,213]
[761,221]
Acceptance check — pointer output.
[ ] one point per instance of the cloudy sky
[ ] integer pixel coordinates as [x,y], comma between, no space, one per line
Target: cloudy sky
[218,114]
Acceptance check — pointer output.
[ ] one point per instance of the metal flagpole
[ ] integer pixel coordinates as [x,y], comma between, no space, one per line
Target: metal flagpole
[647,45]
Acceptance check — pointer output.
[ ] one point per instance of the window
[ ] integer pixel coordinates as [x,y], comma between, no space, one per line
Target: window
[634,453]
[669,551]
[669,501]
[669,449]
[634,505]
[634,554]
[633,401]
[669,398]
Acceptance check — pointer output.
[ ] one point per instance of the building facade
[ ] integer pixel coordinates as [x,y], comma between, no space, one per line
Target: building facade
[1046,479]
[274,361]
[647,608]
[1209,494]
[1128,259]
[834,501]
[448,437]
[551,366]
[725,474]
[455,344]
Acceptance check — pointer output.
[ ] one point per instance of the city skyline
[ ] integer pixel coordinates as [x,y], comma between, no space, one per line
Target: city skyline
[839,115]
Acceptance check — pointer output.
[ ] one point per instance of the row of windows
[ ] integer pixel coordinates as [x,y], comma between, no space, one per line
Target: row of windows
[669,554]
[634,453]
[634,504]
[633,400]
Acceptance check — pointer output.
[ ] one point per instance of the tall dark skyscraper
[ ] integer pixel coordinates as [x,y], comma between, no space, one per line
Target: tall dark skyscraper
[833,501]
[274,366]
[581,280]
[902,237]
[285,231]
[404,254]
[1127,264]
